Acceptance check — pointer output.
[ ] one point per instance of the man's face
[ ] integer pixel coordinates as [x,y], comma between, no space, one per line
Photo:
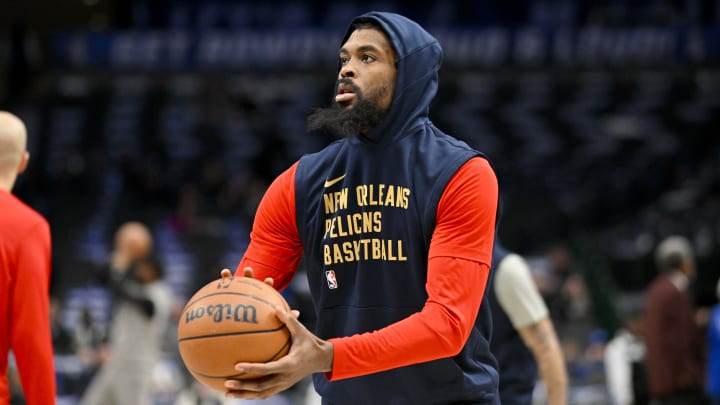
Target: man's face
[367,63]
[365,85]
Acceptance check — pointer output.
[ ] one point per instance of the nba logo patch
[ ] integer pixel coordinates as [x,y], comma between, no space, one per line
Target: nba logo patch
[331,280]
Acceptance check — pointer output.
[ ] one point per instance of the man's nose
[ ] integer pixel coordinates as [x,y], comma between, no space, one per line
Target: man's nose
[347,71]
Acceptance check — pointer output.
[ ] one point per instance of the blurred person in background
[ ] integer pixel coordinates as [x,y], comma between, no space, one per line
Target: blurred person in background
[62,338]
[625,357]
[712,379]
[89,338]
[63,347]
[524,339]
[133,241]
[142,303]
[674,345]
[25,252]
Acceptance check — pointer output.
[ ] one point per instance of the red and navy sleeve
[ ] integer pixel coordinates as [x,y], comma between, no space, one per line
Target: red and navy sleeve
[275,248]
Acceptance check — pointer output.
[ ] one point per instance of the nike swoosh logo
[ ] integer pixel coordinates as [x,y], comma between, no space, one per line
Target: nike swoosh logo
[330,183]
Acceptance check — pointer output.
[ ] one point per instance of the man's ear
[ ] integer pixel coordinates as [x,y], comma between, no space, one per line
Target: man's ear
[23,162]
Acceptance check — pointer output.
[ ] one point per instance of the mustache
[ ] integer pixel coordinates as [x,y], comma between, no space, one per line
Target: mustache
[345,121]
[346,82]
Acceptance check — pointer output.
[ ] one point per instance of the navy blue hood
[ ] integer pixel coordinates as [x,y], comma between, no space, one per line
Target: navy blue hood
[418,55]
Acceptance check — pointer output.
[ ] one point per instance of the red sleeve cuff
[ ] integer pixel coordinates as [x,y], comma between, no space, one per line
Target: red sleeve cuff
[339,357]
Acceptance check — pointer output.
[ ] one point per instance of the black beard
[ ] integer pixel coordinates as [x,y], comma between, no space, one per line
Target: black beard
[346,121]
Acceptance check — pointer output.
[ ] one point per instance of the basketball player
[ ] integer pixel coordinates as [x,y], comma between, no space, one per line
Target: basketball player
[524,339]
[24,277]
[395,226]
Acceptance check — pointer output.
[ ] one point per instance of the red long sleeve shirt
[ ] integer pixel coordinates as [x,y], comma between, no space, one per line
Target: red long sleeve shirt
[24,301]
[458,267]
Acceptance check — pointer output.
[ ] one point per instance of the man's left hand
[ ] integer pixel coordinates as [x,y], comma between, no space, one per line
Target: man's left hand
[308,354]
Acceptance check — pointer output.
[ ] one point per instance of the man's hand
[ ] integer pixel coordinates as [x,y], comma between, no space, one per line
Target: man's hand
[119,261]
[247,272]
[308,354]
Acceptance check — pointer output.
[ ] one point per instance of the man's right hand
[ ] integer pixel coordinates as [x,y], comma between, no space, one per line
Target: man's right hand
[119,261]
[247,272]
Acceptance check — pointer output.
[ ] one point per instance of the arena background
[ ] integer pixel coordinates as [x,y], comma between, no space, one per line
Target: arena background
[600,117]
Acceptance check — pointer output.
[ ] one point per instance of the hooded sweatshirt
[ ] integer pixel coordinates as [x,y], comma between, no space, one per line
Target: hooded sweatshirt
[395,230]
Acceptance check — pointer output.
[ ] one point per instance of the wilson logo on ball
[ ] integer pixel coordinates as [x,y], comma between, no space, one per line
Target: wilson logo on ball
[219,312]
[227,321]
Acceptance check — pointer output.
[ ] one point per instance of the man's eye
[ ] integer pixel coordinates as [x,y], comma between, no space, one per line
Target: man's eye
[367,58]
[343,60]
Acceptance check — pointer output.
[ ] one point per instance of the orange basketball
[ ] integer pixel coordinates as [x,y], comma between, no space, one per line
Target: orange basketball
[227,321]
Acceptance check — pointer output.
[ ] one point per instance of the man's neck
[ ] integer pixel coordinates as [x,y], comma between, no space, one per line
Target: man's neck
[7,183]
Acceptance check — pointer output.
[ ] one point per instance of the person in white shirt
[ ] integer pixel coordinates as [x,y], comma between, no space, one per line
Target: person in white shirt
[624,357]
[524,338]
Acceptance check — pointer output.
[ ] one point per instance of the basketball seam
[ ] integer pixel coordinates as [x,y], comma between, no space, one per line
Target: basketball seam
[245,332]
[229,293]
[273,357]
[287,344]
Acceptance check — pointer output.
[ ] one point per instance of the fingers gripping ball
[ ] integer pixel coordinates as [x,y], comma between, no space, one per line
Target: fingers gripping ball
[227,321]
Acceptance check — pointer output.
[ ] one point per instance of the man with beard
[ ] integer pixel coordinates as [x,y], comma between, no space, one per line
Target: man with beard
[395,226]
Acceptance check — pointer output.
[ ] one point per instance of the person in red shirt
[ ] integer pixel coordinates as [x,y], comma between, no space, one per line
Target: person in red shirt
[24,277]
[394,226]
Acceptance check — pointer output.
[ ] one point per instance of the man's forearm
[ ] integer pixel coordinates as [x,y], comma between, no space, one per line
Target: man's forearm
[542,340]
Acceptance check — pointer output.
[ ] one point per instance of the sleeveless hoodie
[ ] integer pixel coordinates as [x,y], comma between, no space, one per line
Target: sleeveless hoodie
[366,208]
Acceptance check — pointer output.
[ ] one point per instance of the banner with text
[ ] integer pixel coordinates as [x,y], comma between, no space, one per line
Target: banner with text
[489,48]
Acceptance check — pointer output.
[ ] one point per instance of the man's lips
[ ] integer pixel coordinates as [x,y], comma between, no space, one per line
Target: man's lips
[345,93]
